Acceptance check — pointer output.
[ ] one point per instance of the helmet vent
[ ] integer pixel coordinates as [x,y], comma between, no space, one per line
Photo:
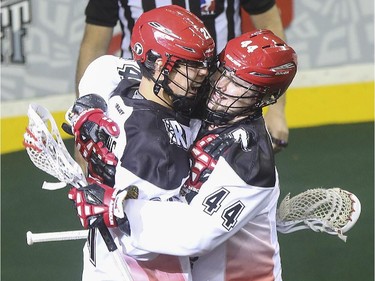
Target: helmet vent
[191,50]
[284,66]
[277,45]
[259,74]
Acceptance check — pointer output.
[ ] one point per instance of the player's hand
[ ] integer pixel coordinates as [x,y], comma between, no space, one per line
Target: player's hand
[102,164]
[204,156]
[277,126]
[92,130]
[98,200]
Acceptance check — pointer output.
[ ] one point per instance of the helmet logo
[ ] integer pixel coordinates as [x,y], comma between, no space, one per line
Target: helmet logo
[177,133]
[138,48]
[162,29]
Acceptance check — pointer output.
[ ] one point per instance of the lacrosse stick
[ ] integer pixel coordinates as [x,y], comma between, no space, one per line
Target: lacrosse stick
[32,238]
[333,210]
[47,151]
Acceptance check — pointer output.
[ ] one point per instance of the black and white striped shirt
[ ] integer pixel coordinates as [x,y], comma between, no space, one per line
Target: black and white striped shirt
[221,17]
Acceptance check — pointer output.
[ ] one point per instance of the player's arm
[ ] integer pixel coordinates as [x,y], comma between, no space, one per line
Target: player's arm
[92,130]
[100,79]
[92,47]
[224,205]
[103,75]
[101,18]
[275,116]
[271,20]
[95,43]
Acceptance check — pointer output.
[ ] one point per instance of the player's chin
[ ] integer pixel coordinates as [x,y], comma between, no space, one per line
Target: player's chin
[215,107]
[192,92]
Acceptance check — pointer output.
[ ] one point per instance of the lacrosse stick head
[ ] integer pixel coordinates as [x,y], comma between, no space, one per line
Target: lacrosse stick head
[333,210]
[47,150]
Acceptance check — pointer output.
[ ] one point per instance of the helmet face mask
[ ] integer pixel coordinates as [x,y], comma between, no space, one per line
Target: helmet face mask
[187,79]
[254,70]
[232,97]
[182,84]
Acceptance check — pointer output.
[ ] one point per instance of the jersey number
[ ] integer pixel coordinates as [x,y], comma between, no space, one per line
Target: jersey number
[230,214]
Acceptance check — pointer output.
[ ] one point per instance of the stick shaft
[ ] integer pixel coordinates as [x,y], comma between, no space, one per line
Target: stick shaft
[32,238]
[76,235]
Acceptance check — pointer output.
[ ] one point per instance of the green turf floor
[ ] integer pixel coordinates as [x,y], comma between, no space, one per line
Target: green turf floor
[327,156]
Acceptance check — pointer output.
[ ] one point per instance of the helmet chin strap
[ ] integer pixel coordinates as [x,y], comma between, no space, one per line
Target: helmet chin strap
[163,84]
[224,119]
[181,104]
[158,85]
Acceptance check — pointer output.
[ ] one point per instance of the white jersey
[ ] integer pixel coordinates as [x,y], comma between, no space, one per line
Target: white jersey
[229,227]
[152,150]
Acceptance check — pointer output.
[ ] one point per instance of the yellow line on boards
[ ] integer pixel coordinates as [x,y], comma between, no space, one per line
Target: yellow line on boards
[13,128]
[335,104]
[306,107]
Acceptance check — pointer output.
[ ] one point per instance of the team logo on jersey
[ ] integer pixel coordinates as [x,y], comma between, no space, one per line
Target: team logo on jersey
[177,133]
[130,71]
[241,136]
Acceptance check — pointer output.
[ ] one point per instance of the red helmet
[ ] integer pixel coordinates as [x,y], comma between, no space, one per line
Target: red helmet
[261,58]
[179,38]
[171,31]
[265,64]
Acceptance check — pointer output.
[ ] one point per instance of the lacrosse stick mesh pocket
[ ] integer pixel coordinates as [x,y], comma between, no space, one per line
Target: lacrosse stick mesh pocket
[332,210]
[46,149]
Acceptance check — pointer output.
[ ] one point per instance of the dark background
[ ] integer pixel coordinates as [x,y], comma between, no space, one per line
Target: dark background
[326,156]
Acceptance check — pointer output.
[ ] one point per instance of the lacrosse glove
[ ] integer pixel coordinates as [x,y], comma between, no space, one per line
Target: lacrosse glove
[92,131]
[101,201]
[204,156]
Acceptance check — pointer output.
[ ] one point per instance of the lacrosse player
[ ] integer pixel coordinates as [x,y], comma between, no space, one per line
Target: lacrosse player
[229,225]
[150,99]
